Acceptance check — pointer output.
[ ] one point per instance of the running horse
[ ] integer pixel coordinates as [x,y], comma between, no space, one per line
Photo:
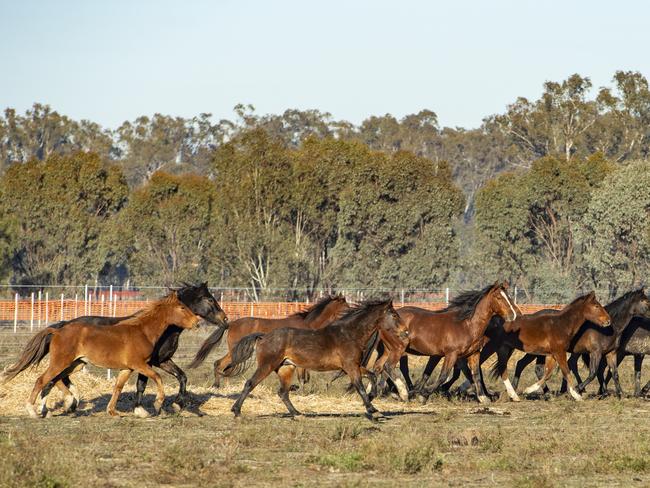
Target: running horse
[197,297]
[456,332]
[544,333]
[127,346]
[341,345]
[315,317]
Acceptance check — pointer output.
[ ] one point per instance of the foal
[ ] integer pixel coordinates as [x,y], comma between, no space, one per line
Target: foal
[127,346]
[547,334]
[318,315]
[340,345]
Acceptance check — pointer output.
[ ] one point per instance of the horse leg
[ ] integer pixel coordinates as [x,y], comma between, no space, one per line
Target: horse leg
[503,356]
[520,366]
[638,362]
[49,375]
[549,365]
[303,377]
[122,378]
[561,359]
[354,372]
[285,374]
[461,365]
[473,362]
[447,367]
[573,366]
[262,371]
[172,368]
[613,367]
[219,366]
[594,361]
[426,374]
[141,385]
[149,372]
[404,368]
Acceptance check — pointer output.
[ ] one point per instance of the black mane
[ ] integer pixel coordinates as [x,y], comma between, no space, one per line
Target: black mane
[316,309]
[357,311]
[465,304]
[618,307]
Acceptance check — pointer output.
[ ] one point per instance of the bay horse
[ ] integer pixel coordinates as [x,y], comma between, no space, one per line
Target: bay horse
[197,297]
[338,346]
[547,334]
[127,346]
[456,332]
[635,341]
[594,343]
[315,317]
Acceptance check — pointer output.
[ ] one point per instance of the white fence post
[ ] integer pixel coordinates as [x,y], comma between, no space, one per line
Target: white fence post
[86,300]
[47,311]
[102,309]
[40,310]
[515,297]
[15,313]
[402,296]
[76,297]
[61,319]
[108,374]
[90,305]
[31,318]
[447,295]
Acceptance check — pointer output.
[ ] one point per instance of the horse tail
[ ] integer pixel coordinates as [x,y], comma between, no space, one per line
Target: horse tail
[241,354]
[33,353]
[499,367]
[208,345]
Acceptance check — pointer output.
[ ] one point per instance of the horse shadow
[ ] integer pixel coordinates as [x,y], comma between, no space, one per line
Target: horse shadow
[386,415]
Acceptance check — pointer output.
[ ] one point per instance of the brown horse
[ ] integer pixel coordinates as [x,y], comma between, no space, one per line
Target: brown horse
[338,346]
[544,333]
[457,331]
[127,346]
[317,316]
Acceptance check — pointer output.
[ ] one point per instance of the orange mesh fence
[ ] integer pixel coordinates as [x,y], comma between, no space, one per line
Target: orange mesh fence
[45,312]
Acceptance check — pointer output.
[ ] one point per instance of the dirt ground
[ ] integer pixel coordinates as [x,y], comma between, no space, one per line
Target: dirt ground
[446,442]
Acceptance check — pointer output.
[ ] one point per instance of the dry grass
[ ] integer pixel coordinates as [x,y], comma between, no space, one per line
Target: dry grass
[446,442]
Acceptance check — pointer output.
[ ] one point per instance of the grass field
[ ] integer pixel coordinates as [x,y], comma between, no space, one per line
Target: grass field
[446,442]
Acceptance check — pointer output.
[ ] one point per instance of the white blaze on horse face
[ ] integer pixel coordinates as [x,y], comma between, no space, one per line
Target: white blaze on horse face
[505,297]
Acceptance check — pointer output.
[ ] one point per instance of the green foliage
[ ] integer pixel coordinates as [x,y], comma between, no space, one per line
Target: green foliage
[55,217]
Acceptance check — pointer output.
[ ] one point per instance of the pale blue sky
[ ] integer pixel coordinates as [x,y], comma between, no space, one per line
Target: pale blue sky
[114,60]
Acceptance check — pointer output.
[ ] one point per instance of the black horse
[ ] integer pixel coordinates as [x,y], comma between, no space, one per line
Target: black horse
[198,299]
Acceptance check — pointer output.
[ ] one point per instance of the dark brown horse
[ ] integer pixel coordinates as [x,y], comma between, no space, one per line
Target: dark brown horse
[338,346]
[594,343]
[127,346]
[317,316]
[457,331]
[547,334]
[635,341]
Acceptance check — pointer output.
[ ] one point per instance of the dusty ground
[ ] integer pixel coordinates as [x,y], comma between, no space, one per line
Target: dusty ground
[447,442]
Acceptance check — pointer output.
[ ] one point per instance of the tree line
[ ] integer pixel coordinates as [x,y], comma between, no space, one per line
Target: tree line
[552,195]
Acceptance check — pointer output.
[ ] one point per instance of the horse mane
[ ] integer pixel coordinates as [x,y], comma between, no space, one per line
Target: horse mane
[578,299]
[357,311]
[465,304]
[618,307]
[154,309]
[316,309]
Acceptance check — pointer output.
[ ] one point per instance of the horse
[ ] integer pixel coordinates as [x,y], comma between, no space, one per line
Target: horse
[455,332]
[595,343]
[337,346]
[318,315]
[197,297]
[635,341]
[127,346]
[548,334]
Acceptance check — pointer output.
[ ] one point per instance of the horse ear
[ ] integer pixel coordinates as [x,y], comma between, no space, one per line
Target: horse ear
[592,295]
[204,284]
[505,285]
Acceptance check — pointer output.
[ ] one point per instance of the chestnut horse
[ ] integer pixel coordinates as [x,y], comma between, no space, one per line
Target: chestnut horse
[318,315]
[338,346]
[127,346]
[456,332]
[544,333]
[197,297]
[595,343]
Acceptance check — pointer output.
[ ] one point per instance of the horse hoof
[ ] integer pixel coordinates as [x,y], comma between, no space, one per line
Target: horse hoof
[422,399]
[176,407]
[140,412]
[111,412]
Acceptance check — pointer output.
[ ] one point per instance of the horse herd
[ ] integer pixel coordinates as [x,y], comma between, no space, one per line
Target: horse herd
[333,335]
